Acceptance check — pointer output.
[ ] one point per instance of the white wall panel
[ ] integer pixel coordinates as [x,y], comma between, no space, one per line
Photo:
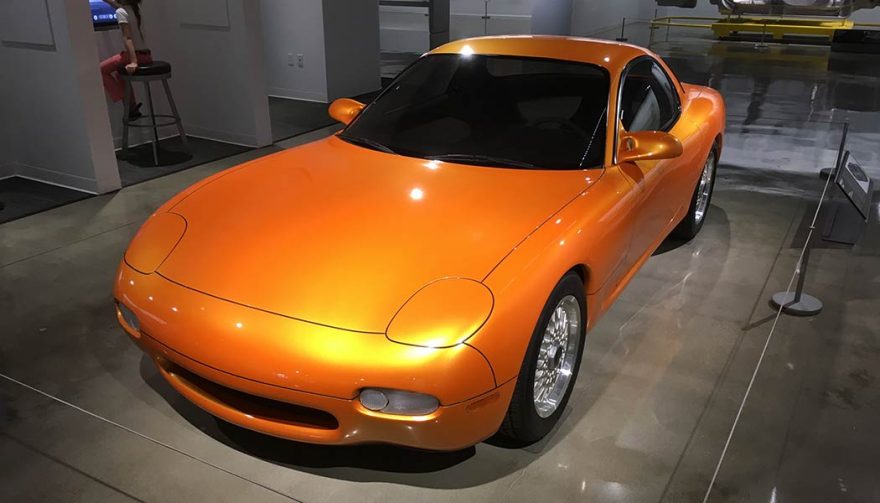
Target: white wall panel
[53,122]
[206,13]
[219,79]
[26,22]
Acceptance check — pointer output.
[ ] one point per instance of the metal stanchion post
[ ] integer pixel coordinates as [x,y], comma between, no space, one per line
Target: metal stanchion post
[622,37]
[761,44]
[798,303]
[826,172]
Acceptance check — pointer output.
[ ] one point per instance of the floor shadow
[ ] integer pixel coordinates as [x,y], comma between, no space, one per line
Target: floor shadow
[669,244]
[672,243]
[137,165]
[142,156]
[378,457]
[21,197]
[292,117]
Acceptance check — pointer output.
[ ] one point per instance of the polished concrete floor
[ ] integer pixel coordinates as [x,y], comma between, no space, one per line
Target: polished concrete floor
[664,372]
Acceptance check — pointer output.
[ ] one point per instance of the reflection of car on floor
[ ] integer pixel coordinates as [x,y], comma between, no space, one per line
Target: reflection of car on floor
[426,277]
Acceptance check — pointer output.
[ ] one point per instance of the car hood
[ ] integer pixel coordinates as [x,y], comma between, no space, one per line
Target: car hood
[342,236]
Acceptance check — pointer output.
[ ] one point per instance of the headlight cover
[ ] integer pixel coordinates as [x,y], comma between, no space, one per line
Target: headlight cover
[155,241]
[442,314]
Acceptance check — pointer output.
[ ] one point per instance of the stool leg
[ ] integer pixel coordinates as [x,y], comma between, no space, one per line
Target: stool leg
[153,121]
[180,130]
[126,103]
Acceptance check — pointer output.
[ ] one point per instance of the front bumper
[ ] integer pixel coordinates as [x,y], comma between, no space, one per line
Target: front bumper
[300,381]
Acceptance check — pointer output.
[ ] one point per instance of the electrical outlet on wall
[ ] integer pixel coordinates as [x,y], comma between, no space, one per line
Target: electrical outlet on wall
[299,60]
[289,59]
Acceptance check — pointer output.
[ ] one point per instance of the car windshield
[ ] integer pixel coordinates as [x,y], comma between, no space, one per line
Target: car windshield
[492,111]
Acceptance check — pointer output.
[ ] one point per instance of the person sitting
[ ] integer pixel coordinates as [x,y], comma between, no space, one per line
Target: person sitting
[135,53]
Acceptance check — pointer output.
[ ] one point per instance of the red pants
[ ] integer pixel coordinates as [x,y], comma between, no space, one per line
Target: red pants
[114,86]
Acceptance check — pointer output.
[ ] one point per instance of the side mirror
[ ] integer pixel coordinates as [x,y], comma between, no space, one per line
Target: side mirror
[345,110]
[648,145]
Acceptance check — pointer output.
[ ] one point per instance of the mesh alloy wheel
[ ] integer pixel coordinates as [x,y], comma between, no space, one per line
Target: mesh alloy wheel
[556,356]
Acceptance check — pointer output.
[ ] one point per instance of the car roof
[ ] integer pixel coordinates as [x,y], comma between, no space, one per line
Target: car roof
[608,54]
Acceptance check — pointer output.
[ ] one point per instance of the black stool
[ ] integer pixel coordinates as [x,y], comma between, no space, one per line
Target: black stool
[157,70]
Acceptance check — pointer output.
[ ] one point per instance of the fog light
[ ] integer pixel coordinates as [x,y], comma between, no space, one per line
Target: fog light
[129,317]
[373,399]
[403,403]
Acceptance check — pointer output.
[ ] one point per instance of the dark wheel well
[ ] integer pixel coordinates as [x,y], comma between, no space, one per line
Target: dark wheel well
[581,271]
[584,273]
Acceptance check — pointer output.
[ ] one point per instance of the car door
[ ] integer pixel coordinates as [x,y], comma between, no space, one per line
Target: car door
[648,101]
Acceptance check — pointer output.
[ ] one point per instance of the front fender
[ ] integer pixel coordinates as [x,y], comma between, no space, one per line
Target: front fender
[590,234]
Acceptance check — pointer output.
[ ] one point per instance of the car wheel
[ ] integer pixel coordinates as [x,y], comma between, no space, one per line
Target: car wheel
[693,221]
[551,364]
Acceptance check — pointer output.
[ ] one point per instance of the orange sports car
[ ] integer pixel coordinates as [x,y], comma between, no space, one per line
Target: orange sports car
[427,276]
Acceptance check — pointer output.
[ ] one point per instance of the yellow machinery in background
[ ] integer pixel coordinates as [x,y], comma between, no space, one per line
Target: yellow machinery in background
[778,28]
[766,28]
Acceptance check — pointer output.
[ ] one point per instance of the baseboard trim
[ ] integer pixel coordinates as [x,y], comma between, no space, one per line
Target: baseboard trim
[222,136]
[293,94]
[7,170]
[53,177]
[48,182]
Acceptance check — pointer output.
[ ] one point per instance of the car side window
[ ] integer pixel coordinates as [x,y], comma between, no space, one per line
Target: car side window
[647,101]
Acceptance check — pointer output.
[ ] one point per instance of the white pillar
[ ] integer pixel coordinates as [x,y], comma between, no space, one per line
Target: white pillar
[53,117]
[320,50]
[218,73]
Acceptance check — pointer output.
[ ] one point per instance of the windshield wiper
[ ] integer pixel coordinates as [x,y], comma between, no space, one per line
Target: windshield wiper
[366,142]
[487,160]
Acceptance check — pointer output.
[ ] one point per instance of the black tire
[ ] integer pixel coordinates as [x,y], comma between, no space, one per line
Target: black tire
[690,226]
[522,424]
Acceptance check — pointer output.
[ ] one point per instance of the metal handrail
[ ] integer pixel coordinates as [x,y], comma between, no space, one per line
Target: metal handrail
[405,3]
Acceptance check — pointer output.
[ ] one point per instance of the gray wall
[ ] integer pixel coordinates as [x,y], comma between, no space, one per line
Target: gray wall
[339,41]
[351,46]
[591,18]
[552,17]
[291,28]
[53,123]
[218,76]
[216,50]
